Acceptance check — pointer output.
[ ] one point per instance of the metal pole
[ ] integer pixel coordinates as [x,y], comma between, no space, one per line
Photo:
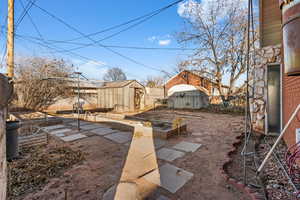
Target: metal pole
[247,96]
[278,140]
[78,100]
[10,39]
[282,167]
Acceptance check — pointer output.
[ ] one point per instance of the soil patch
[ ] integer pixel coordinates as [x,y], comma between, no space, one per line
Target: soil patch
[37,165]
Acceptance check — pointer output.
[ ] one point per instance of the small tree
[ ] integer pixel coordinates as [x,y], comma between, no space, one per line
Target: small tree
[115,74]
[40,81]
[154,81]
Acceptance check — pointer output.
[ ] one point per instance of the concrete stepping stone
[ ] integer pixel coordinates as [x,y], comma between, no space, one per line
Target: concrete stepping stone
[119,137]
[159,143]
[110,193]
[81,123]
[60,131]
[60,135]
[187,146]
[67,120]
[102,131]
[125,132]
[126,191]
[89,126]
[169,177]
[72,138]
[50,128]
[169,154]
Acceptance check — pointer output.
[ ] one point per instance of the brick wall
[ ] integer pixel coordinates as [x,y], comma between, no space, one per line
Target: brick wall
[291,99]
[186,77]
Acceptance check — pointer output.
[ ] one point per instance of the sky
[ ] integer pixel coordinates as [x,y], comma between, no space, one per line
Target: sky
[92,16]
[97,15]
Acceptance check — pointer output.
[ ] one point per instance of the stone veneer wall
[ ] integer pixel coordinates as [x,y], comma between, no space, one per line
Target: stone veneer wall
[258,81]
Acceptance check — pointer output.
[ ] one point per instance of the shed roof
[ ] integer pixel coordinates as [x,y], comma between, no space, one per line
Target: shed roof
[84,83]
[73,82]
[118,84]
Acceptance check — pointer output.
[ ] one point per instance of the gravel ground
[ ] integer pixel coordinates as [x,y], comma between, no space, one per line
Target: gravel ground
[273,183]
[276,182]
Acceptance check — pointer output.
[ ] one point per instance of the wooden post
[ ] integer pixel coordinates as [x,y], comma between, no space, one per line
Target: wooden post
[10,39]
[6,92]
[3,164]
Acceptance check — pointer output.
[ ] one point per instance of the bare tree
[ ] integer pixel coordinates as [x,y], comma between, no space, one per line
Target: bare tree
[115,74]
[180,66]
[154,81]
[37,84]
[219,29]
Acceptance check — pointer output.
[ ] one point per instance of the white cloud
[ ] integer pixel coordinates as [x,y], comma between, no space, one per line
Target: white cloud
[164,42]
[91,69]
[161,40]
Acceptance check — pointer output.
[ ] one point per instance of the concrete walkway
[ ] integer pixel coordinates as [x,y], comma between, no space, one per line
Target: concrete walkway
[141,160]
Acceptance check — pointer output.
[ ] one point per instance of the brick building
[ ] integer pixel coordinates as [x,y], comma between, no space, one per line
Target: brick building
[194,78]
[276,77]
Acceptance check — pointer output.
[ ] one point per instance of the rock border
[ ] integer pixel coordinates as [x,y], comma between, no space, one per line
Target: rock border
[237,184]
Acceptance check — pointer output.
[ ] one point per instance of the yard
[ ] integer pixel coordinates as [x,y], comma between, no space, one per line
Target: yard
[112,155]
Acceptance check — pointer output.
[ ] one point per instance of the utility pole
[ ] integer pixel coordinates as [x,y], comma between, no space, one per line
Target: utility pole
[10,39]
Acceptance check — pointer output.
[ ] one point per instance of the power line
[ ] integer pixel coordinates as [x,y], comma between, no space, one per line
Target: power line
[25,12]
[117,46]
[72,54]
[31,20]
[55,48]
[19,21]
[99,44]
[127,28]
[4,54]
[114,34]
[150,14]
[33,24]
[150,48]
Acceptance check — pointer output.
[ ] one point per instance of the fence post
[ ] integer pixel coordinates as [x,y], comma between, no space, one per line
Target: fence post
[6,93]
[3,164]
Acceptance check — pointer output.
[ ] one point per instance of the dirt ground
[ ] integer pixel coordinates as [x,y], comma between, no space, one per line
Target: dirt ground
[104,161]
